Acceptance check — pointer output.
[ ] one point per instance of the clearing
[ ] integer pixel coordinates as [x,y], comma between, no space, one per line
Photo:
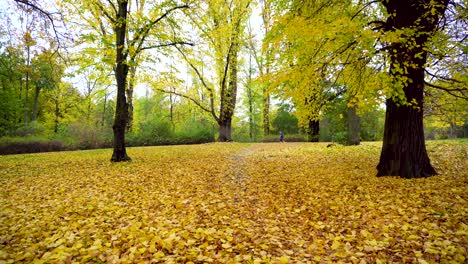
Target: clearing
[232,203]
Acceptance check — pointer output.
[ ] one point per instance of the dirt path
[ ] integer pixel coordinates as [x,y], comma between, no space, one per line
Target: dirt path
[236,175]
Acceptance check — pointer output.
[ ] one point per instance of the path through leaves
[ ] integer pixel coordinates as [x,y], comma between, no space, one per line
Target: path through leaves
[232,203]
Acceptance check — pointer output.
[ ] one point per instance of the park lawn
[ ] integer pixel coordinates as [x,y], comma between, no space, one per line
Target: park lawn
[232,202]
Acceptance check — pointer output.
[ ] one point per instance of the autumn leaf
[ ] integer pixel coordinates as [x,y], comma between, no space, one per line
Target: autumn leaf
[182,204]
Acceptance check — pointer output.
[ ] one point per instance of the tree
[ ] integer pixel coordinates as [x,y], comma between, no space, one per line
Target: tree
[221,28]
[404,150]
[46,74]
[319,49]
[133,33]
[263,59]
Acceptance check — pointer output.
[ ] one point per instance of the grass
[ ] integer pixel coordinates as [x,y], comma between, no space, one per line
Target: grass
[232,202]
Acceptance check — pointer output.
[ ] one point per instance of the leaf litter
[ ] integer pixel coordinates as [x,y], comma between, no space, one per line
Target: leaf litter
[232,203]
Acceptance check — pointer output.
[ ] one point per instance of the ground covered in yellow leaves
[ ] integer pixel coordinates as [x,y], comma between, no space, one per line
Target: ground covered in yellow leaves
[232,203]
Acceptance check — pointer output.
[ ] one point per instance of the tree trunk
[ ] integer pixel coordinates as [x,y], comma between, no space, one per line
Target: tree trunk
[36,103]
[404,151]
[313,131]
[354,126]
[251,119]
[129,91]
[57,115]
[104,110]
[121,72]
[229,94]
[225,130]
[250,100]
[266,112]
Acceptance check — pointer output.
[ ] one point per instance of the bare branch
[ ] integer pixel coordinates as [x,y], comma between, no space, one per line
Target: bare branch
[43,12]
[443,78]
[364,7]
[204,108]
[167,45]
[104,11]
[453,92]
[143,32]
[200,77]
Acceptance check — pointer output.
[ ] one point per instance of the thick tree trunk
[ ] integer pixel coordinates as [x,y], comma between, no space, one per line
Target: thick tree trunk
[404,151]
[224,130]
[313,131]
[354,126]
[121,72]
[229,93]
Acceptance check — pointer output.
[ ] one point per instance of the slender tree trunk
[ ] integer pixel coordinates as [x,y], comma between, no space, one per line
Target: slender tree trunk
[121,72]
[404,151]
[313,131]
[250,100]
[251,120]
[36,103]
[129,91]
[104,110]
[354,126]
[26,108]
[266,112]
[266,17]
[57,115]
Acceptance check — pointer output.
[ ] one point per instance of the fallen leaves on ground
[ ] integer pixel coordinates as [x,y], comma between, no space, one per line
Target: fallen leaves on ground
[232,203]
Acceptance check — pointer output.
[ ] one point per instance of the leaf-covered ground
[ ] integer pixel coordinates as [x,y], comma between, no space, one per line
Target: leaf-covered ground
[232,203]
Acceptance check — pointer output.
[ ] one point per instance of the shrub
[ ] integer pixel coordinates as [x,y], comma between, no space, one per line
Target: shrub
[89,137]
[287,138]
[30,129]
[29,145]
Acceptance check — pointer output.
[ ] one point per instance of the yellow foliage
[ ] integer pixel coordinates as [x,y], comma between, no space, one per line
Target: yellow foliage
[232,203]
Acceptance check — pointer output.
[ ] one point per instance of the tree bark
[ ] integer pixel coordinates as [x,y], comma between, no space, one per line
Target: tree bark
[266,112]
[250,100]
[37,90]
[313,131]
[129,91]
[28,64]
[354,126]
[229,94]
[57,115]
[404,151]
[121,73]
[225,130]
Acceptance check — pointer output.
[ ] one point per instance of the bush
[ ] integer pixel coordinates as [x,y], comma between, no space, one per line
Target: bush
[341,137]
[287,138]
[30,129]
[88,137]
[29,145]
[161,133]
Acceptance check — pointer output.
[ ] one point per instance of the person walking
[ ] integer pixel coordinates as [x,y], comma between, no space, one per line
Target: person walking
[281,136]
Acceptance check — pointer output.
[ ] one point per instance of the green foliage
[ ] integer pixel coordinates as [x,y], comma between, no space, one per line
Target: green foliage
[285,120]
[30,129]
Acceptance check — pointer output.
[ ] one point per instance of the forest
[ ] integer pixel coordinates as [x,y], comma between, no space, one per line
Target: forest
[194,72]
[162,119]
